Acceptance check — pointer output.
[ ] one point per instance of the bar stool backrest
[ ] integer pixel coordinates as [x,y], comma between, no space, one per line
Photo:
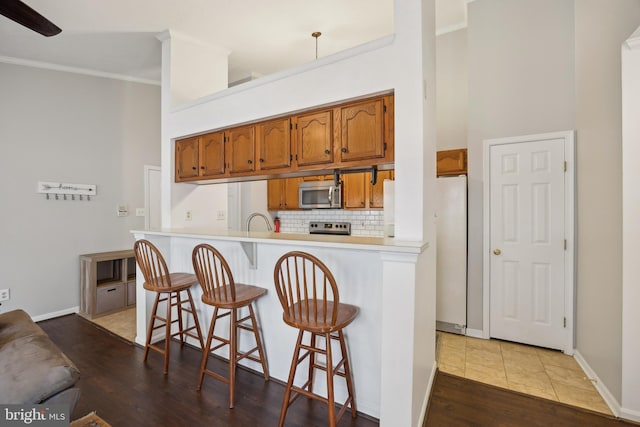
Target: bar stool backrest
[306,288]
[214,274]
[154,268]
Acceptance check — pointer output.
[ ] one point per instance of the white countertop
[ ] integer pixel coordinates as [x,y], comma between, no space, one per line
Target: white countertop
[384,244]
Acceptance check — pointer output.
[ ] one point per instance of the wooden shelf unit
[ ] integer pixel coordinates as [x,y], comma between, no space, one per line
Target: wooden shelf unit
[107,282]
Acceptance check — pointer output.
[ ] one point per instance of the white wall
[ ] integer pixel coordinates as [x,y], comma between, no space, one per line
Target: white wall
[452,90]
[521,81]
[631,227]
[57,126]
[600,29]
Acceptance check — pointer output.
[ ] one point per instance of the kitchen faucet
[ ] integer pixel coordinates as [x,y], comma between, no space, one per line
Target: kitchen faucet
[255,214]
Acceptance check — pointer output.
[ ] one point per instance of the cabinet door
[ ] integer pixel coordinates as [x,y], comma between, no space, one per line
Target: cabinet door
[274,142]
[275,189]
[376,193]
[290,196]
[212,154]
[186,158]
[354,190]
[241,147]
[362,131]
[314,140]
[451,162]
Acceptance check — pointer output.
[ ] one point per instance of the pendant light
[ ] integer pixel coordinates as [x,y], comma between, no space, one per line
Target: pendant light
[315,35]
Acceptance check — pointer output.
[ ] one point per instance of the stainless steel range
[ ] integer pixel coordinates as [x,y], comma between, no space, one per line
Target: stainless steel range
[339,228]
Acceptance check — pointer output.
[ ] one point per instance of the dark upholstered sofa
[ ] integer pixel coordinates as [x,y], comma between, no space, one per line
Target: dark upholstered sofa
[32,367]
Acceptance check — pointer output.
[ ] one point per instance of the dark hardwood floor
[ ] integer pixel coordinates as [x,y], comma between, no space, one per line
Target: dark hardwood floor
[458,402]
[124,391]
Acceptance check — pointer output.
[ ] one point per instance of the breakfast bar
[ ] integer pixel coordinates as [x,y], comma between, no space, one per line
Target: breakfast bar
[370,274]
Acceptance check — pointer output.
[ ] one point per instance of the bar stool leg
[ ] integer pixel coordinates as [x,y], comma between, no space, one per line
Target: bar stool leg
[347,374]
[256,333]
[179,310]
[312,362]
[233,354]
[207,348]
[167,339]
[194,313]
[292,374]
[152,321]
[330,394]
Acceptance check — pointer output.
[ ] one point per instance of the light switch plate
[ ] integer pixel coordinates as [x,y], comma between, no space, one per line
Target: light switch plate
[123,210]
[139,211]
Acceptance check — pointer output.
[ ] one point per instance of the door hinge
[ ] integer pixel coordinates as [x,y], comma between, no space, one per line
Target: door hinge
[565,166]
[565,244]
[290,126]
[565,322]
[384,108]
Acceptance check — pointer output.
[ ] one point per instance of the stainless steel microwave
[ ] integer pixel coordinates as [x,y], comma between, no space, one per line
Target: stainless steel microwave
[319,195]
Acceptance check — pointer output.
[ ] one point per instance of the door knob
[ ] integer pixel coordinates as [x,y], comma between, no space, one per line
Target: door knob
[497,251]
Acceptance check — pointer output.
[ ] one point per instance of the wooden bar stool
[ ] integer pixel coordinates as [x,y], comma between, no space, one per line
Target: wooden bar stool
[168,288]
[220,291]
[309,296]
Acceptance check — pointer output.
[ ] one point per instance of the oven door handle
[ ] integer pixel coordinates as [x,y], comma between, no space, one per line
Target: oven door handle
[331,195]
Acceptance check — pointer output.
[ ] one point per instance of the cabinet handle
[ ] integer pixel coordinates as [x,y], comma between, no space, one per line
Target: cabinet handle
[250,161]
[111,290]
[193,167]
[327,152]
[261,160]
[202,167]
[344,149]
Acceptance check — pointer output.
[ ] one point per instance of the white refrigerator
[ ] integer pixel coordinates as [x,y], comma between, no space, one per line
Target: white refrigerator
[451,255]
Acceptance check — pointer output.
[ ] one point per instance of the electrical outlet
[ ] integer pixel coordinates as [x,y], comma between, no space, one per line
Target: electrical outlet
[221,215]
[187,216]
[139,211]
[4,295]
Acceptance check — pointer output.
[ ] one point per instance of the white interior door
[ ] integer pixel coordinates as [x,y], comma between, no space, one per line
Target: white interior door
[527,242]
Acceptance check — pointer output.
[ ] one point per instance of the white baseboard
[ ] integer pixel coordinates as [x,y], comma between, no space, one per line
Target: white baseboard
[630,414]
[475,333]
[48,316]
[425,403]
[609,399]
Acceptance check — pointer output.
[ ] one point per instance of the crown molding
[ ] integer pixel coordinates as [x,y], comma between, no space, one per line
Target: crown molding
[75,70]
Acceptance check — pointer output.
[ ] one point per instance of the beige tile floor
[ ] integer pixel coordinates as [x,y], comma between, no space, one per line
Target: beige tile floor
[544,373]
[122,323]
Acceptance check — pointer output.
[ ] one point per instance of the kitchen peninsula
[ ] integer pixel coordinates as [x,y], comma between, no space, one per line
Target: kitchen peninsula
[367,274]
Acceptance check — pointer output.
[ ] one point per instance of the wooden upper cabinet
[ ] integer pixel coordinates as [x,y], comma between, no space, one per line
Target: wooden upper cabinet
[314,138]
[282,193]
[212,158]
[376,192]
[353,188]
[241,149]
[290,193]
[451,162]
[274,142]
[362,131]
[359,193]
[275,193]
[352,135]
[186,158]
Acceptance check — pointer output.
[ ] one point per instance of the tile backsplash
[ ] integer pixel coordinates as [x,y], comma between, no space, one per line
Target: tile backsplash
[363,223]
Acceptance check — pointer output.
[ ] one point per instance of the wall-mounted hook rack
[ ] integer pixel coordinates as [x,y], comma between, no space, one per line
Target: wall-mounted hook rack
[63,189]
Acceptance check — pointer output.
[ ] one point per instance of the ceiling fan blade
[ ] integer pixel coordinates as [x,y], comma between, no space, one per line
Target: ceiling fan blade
[18,11]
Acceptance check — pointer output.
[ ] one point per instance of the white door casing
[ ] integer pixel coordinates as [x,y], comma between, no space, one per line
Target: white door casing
[152,194]
[528,215]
